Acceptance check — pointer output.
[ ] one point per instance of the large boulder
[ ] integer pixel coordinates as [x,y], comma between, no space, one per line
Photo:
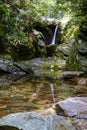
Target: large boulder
[73,107]
[48,67]
[8,66]
[36,121]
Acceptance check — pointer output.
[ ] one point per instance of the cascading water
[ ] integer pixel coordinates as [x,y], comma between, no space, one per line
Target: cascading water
[54,36]
[52,91]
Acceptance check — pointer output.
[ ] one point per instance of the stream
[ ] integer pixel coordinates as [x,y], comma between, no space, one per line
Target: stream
[25,93]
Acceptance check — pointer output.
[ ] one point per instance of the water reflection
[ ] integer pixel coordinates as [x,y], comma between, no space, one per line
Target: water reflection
[52,91]
[25,93]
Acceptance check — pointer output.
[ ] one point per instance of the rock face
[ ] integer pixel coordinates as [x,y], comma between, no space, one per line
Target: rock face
[73,107]
[82,47]
[36,121]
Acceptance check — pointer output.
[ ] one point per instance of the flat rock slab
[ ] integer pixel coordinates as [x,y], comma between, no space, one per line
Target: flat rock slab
[72,74]
[73,107]
[36,121]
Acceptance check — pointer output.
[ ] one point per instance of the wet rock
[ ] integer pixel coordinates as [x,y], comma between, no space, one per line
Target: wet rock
[82,47]
[40,63]
[35,63]
[8,79]
[72,74]
[36,121]
[51,49]
[66,49]
[23,68]
[79,124]
[73,107]
[8,66]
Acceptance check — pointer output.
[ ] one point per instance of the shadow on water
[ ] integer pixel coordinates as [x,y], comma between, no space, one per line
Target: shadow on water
[20,93]
[4,127]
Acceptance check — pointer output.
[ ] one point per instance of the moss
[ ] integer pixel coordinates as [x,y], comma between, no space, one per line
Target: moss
[76,32]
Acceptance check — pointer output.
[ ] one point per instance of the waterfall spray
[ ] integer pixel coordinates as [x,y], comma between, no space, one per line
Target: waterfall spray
[54,36]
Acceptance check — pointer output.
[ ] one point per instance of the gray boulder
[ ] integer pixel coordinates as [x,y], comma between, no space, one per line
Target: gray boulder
[36,121]
[73,107]
[8,66]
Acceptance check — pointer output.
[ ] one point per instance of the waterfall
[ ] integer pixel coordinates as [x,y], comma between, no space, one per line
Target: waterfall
[54,36]
[52,91]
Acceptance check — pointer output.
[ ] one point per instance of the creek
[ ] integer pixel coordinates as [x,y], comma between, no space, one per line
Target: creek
[35,93]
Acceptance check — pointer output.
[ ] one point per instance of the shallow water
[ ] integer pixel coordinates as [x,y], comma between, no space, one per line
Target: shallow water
[20,94]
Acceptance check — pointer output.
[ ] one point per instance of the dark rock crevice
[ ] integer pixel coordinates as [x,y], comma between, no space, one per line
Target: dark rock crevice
[4,127]
[48,33]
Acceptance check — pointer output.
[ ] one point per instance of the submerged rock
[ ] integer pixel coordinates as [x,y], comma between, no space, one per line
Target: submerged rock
[82,81]
[36,121]
[73,107]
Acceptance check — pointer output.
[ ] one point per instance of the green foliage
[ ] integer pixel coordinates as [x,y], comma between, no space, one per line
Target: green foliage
[18,18]
[73,61]
[78,7]
[61,9]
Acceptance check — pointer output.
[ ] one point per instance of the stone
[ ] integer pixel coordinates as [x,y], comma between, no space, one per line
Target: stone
[72,74]
[83,61]
[51,49]
[8,66]
[79,124]
[73,107]
[36,121]
[64,49]
[83,48]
